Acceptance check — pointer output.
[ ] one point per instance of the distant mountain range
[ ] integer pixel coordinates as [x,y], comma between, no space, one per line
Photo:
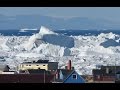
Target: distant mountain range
[35,21]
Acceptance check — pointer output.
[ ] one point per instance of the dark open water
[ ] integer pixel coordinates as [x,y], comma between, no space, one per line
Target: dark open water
[65,32]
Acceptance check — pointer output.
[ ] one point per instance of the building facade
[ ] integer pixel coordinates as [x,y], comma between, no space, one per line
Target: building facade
[26,78]
[74,77]
[4,68]
[67,75]
[41,64]
[105,73]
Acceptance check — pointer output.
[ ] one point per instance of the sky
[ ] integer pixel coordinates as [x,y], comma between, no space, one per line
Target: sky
[111,13]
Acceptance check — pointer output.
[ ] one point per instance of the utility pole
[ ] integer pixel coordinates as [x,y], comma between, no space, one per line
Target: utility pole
[44,76]
[115,69]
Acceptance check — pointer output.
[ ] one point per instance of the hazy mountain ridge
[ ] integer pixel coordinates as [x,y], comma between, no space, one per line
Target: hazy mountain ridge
[34,21]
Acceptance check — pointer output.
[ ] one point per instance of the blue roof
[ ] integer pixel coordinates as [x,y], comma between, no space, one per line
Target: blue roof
[71,74]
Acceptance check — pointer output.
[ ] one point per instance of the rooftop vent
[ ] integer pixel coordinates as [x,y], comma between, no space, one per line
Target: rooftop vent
[42,61]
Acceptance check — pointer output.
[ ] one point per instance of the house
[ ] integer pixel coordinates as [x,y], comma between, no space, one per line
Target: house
[117,80]
[26,78]
[67,75]
[105,73]
[4,68]
[74,77]
[40,64]
[9,72]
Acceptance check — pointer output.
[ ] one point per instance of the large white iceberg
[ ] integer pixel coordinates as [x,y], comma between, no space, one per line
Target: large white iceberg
[85,51]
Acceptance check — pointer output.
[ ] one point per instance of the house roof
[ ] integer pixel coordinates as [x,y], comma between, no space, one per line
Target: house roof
[2,67]
[110,66]
[118,72]
[73,71]
[66,73]
[113,68]
[39,62]
[103,72]
[69,75]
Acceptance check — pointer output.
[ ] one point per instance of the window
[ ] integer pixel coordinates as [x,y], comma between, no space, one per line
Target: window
[26,65]
[107,70]
[29,65]
[37,65]
[98,76]
[118,76]
[74,76]
[43,65]
[110,71]
[22,65]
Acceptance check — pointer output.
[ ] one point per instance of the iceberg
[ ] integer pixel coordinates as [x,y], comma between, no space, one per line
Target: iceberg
[85,51]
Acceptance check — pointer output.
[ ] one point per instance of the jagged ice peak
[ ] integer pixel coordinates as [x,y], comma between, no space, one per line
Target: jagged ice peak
[44,30]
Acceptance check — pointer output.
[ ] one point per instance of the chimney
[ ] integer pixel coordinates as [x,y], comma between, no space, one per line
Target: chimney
[69,65]
[72,68]
[65,67]
[107,70]
[57,75]
[33,61]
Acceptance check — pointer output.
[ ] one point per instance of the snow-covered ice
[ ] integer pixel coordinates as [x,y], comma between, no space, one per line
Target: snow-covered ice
[85,51]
